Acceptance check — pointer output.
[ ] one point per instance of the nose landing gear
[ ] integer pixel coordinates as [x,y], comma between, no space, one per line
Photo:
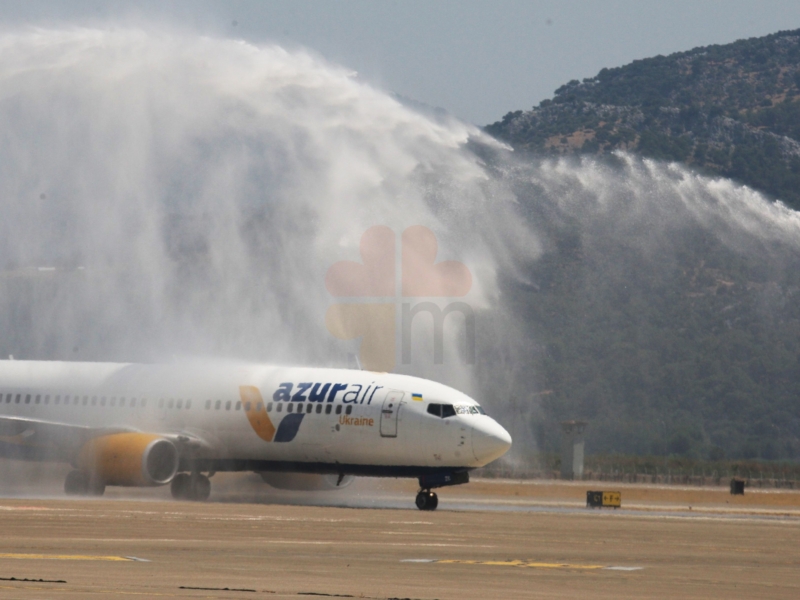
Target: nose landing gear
[427,500]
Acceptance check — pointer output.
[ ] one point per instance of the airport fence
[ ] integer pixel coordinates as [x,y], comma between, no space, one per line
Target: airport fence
[655,470]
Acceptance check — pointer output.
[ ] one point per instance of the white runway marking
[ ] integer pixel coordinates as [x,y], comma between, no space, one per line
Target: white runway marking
[419,560]
[410,522]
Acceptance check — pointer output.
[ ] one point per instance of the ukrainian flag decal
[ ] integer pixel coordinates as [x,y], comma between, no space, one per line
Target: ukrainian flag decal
[416,397]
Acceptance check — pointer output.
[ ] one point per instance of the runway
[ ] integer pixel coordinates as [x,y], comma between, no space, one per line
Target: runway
[264,547]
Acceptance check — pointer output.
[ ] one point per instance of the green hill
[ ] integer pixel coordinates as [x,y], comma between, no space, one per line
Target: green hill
[664,306]
[731,110]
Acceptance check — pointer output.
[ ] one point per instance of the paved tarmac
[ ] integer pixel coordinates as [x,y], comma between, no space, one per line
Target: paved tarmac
[256,544]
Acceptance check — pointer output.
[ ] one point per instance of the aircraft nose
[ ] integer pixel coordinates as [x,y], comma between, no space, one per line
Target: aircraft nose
[489,440]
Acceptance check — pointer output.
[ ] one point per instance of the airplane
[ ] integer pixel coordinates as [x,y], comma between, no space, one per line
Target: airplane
[126,424]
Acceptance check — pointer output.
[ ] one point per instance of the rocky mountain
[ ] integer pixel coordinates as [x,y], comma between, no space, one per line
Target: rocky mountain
[731,110]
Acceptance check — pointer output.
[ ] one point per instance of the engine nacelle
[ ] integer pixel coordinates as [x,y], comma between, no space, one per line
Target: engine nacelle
[130,459]
[305,482]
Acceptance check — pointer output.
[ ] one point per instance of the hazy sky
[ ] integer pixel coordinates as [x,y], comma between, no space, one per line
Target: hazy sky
[478,59]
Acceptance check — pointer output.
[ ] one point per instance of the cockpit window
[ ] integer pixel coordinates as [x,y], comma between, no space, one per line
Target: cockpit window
[441,410]
[448,410]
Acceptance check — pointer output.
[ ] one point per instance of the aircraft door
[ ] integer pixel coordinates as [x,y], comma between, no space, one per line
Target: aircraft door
[390,412]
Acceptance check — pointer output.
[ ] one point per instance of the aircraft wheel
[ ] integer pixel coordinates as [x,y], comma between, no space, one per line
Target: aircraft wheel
[76,483]
[181,486]
[96,488]
[427,500]
[201,489]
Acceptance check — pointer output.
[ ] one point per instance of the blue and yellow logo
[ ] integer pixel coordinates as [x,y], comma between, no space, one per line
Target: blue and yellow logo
[253,405]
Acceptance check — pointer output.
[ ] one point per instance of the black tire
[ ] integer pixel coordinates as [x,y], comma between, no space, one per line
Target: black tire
[76,483]
[96,488]
[427,500]
[181,486]
[201,489]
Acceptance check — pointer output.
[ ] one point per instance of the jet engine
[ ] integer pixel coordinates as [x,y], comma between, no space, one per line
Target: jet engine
[129,459]
[306,482]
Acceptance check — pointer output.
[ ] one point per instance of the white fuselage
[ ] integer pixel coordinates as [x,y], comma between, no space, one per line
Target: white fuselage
[316,416]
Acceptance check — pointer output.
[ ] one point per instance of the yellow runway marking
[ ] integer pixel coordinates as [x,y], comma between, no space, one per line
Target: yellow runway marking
[66,557]
[521,563]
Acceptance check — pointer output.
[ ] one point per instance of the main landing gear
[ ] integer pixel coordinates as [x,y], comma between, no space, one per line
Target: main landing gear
[195,487]
[79,483]
[427,500]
